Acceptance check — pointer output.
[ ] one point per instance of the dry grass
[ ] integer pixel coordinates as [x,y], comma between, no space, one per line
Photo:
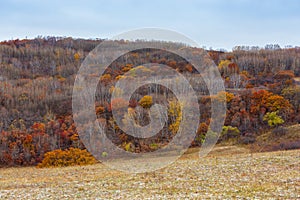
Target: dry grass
[270,142]
[228,172]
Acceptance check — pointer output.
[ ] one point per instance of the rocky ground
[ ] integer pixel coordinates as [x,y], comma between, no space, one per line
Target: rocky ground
[227,173]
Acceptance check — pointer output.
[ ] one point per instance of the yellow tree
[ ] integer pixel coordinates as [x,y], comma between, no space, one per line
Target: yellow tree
[146,101]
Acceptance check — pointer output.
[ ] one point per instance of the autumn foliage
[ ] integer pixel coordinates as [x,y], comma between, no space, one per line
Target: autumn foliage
[146,101]
[37,78]
[68,157]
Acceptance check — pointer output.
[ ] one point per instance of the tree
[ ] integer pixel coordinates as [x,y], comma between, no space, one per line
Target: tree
[77,56]
[119,103]
[227,68]
[293,95]
[146,101]
[175,115]
[201,133]
[268,100]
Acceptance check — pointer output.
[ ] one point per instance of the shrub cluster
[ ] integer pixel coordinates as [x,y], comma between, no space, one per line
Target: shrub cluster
[69,157]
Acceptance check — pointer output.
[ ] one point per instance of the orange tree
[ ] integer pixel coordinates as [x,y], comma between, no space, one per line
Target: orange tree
[264,101]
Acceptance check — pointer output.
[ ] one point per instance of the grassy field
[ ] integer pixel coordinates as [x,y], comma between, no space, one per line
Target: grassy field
[227,173]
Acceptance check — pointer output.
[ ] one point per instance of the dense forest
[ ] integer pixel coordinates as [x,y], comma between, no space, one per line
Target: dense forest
[37,78]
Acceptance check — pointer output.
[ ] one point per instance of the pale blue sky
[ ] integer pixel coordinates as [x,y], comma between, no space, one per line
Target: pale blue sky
[211,23]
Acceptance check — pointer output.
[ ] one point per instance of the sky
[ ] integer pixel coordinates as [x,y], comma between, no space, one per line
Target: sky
[217,24]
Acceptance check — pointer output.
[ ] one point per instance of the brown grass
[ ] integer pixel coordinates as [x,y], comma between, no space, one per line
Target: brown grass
[270,142]
[228,172]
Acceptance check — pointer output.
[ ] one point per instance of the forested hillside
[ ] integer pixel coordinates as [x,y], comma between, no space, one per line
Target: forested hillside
[37,78]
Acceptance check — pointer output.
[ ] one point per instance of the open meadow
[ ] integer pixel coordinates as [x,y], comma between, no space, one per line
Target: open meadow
[226,173]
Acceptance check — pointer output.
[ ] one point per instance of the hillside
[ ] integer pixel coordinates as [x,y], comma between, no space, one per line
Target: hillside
[37,79]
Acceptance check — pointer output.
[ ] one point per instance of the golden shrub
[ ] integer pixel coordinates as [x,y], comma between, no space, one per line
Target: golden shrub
[69,157]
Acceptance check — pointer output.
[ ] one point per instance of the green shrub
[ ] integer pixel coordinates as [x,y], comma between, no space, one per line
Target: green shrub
[154,146]
[273,119]
[229,132]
